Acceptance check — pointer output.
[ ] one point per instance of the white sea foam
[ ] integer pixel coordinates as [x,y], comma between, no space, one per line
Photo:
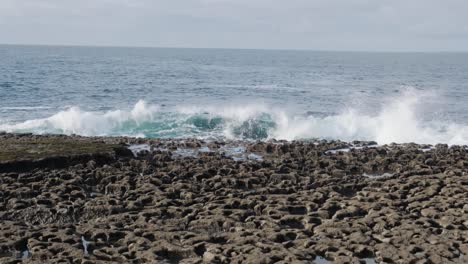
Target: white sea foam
[399,120]
[76,121]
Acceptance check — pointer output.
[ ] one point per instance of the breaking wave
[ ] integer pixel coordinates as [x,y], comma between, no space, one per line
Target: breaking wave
[396,121]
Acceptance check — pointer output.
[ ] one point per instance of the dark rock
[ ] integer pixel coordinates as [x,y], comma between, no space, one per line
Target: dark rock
[300,201]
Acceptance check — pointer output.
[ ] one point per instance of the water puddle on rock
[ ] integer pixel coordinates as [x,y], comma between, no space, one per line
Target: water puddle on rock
[238,153]
[348,149]
[420,254]
[377,176]
[253,156]
[21,251]
[232,150]
[25,254]
[190,152]
[85,245]
[185,152]
[320,260]
[205,149]
[138,148]
[426,149]
[460,255]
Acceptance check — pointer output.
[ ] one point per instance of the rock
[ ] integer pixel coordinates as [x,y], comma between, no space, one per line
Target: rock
[300,201]
[350,211]
[209,257]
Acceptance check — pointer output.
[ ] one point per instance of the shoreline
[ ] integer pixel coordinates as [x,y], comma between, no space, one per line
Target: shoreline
[129,200]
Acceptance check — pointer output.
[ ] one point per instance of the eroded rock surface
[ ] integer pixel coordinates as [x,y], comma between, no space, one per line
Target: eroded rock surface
[190,201]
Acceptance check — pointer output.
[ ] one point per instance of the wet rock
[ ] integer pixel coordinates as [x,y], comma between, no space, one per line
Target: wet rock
[299,202]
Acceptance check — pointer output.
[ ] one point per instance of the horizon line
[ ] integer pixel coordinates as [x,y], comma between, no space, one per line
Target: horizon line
[228,48]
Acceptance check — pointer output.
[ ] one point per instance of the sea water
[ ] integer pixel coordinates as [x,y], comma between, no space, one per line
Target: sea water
[235,94]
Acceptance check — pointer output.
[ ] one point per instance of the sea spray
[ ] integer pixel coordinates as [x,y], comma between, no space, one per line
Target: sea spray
[399,120]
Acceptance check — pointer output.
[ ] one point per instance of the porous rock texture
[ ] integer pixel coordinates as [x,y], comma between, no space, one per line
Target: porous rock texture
[194,201]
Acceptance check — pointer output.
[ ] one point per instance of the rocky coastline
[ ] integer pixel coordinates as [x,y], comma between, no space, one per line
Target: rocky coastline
[75,199]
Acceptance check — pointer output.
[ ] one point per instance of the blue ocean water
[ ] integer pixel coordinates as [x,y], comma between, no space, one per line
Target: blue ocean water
[235,94]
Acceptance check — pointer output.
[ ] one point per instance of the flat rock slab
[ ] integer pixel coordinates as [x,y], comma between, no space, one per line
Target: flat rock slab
[298,202]
[22,152]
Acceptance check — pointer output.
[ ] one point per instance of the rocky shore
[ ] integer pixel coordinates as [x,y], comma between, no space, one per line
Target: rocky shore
[126,200]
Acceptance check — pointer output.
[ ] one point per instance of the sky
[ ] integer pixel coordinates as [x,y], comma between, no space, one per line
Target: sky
[356,25]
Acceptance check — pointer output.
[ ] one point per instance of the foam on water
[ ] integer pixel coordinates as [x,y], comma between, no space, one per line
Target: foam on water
[397,121]
[400,120]
[76,121]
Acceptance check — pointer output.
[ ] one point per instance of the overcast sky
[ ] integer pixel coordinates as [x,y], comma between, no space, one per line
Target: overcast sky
[394,25]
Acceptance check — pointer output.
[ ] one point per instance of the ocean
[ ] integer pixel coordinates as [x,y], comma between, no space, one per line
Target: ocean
[235,94]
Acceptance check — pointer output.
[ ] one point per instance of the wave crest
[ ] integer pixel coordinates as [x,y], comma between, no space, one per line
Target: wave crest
[397,121]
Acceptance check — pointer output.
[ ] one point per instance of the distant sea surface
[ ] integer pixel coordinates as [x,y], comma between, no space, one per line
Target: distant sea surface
[235,94]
